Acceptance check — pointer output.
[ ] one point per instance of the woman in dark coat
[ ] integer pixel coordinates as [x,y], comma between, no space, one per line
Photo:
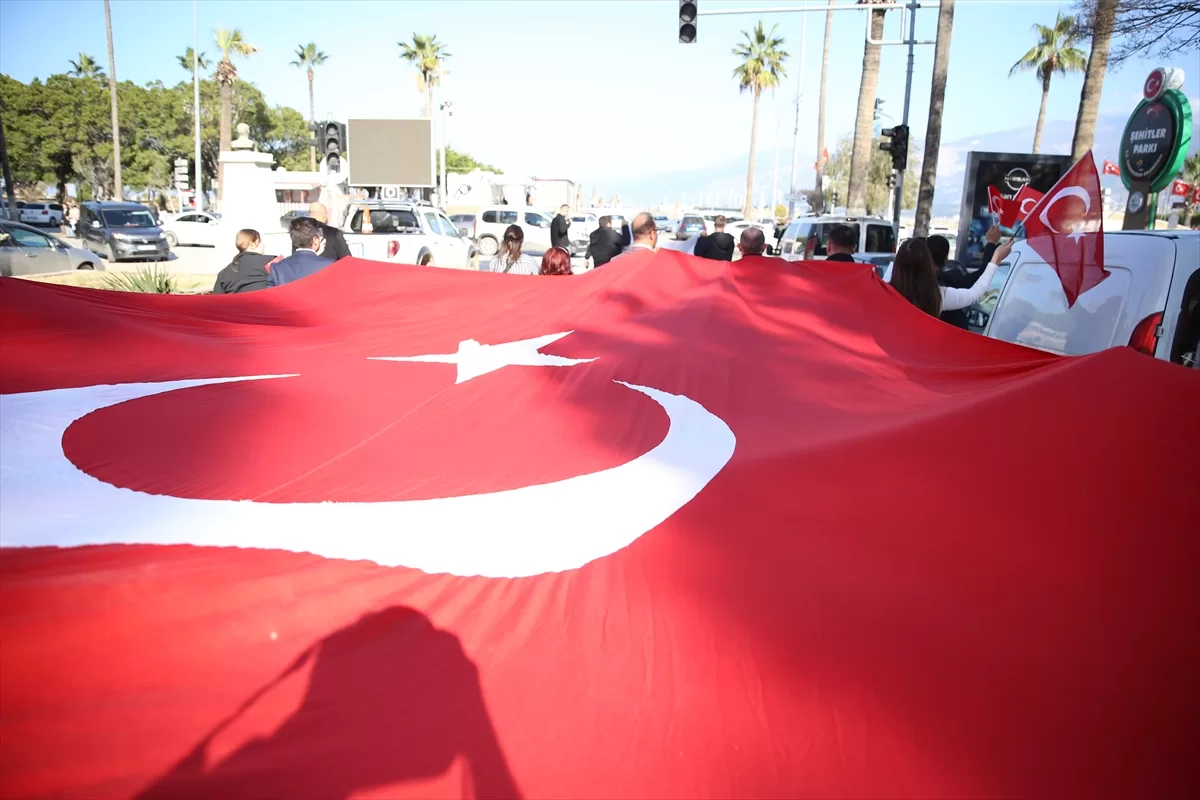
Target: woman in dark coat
[248,270]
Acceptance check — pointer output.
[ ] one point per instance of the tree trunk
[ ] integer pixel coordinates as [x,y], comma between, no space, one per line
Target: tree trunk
[1037,132]
[226,134]
[860,157]
[750,169]
[8,181]
[819,185]
[118,191]
[312,118]
[933,130]
[1093,79]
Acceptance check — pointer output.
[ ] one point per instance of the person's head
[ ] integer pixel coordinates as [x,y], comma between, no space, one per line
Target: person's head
[645,229]
[306,234]
[248,240]
[605,221]
[564,209]
[752,242]
[556,261]
[939,249]
[842,239]
[319,212]
[915,277]
[510,245]
[719,222]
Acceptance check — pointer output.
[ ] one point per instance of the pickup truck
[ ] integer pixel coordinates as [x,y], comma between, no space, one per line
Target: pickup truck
[406,233]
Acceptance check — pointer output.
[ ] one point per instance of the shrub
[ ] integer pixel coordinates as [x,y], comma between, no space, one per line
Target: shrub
[153,280]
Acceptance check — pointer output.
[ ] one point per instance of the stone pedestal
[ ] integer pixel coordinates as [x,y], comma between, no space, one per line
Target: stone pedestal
[248,201]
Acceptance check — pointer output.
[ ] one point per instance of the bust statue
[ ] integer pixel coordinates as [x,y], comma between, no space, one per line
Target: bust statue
[243,141]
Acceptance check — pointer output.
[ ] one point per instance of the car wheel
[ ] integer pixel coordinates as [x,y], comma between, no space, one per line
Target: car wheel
[86,265]
[426,260]
[488,246]
[172,239]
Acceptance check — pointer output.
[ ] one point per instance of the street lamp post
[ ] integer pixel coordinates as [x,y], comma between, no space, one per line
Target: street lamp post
[198,186]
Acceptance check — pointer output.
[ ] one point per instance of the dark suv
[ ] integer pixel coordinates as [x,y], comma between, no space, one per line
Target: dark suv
[121,231]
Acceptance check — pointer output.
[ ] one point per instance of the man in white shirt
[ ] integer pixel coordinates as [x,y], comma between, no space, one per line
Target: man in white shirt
[645,233]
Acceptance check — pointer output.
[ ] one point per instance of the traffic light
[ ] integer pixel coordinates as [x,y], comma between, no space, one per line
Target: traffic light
[687,21]
[896,143]
[332,143]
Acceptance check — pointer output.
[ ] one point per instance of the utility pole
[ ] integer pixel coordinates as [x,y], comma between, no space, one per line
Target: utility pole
[198,186]
[775,173]
[8,181]
[898,203]
[796,129]
[441,124]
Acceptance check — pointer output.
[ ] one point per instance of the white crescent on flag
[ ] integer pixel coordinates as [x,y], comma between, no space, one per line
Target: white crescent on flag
[1067,191]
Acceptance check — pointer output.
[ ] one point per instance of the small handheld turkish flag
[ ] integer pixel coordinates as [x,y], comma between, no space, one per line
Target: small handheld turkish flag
[1110,168]
[1066,228]
[1181,189]
[1018,209]
[996,203]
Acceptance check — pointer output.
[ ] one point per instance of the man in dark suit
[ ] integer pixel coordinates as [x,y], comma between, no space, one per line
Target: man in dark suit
[558,229]
[718,245]
[843,241]
[604,244]
[335,242]
[306,241]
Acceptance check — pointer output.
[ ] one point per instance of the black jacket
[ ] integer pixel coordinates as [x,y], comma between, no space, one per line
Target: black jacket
[335,243]
[603,246]
[558,232]
[716,246]
[843,257]
[246,273]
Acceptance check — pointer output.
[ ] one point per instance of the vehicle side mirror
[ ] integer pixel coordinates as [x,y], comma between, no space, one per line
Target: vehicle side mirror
[95,223]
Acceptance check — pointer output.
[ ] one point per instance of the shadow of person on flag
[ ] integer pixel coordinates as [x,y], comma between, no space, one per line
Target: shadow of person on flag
[390,699]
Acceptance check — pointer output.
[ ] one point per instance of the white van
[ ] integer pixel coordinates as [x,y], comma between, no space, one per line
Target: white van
[491,222]
[1150,300]
[806,239]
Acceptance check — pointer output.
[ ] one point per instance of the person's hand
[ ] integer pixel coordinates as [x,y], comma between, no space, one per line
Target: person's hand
[1002,251]
[993,235]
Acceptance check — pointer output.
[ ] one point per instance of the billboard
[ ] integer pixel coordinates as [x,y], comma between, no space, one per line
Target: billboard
[391,152]
[1008,172]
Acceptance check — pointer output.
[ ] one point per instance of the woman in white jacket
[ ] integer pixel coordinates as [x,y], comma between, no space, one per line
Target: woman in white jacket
[914,276]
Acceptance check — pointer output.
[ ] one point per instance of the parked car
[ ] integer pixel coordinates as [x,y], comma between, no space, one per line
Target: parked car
[1150,300]
[406,232]
[195,228]
[465,224]
[493,220]
[121,231]
[735,229]
[806,239]
[580,232]
[27,251]
[50,214]
[690,225]
[663,223]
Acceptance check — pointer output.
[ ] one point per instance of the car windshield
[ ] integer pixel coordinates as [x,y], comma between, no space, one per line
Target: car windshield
[692,221]
[127,218]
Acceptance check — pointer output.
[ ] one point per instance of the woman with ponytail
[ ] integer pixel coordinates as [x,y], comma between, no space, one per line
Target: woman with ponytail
[509,258]
[915,277]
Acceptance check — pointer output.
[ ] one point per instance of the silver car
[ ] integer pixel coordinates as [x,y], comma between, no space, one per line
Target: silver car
[24,250]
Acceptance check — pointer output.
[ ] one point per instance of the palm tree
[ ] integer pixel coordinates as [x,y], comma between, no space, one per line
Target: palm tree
[1055,51]
[1093,78]
[933,130]
[307,57]
[230,43]
[762,57]
[185,60]
[864,123]
[85,67]
[425,52]
[818,187]
[118,191]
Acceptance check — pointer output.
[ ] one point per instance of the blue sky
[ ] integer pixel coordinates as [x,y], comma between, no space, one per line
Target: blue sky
[597,91]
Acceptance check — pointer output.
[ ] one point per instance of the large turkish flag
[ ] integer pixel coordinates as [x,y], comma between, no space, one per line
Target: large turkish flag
[672,528]
[1066,228]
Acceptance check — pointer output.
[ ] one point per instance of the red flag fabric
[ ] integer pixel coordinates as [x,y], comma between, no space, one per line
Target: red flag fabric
[1066,228]
[1022,204]
[996,203]
[671,528]
[1110,168]
[1181,188]
[1196,195]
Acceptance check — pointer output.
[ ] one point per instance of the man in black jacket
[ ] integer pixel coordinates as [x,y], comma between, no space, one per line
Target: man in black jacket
[718,245]
[335,242]
[843,241]
[558,229]
[954,274]
[604,244]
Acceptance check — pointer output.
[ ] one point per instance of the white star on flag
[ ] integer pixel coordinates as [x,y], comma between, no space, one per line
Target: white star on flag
[475,359]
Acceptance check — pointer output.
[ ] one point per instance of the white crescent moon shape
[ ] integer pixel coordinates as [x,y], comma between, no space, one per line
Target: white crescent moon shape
[1026,201]
[1066,191]
[551,527]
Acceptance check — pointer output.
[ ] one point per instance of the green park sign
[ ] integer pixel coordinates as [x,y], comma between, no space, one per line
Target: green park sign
[1154,144]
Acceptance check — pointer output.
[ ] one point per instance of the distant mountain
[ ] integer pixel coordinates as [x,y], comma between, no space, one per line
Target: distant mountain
[730,175]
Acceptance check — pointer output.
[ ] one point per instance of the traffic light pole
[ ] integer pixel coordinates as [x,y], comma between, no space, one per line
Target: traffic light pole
[898,202]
